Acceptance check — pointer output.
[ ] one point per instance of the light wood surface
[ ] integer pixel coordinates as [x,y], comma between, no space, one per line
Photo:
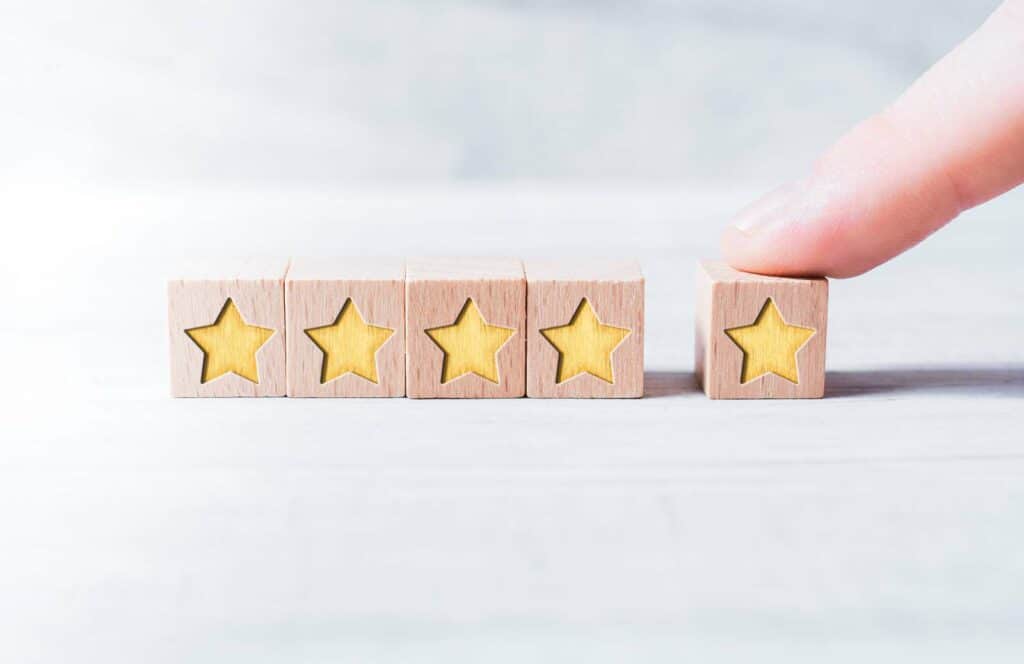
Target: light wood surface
[879,523]
[437,290]
[728,299]
[256,287]
[469,268]
[316,290]
[555,290]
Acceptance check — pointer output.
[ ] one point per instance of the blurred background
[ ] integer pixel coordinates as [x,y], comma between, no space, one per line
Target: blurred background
[881,523]
[138,134]
[324,94]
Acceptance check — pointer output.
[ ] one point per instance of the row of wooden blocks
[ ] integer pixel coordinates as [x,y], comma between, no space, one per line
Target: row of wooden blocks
[476,328]
[423,328]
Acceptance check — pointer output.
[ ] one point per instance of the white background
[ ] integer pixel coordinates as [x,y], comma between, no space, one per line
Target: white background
[884,521]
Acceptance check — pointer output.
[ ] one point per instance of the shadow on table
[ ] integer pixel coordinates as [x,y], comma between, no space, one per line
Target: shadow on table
[669,383]
[989,381]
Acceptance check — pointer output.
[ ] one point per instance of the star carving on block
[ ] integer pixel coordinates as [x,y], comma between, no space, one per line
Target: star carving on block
[349,345]
[770,345]
[470,345]
[585,345]
[229,345]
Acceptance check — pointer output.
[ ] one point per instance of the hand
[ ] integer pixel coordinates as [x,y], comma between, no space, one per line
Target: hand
[954,140]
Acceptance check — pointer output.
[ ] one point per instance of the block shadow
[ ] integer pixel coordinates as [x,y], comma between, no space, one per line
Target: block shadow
[1005,381]
[669,383]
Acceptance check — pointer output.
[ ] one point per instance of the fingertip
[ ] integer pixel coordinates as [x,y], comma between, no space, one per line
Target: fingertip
[765,253]
[797,243]
[739,251]
[755,239]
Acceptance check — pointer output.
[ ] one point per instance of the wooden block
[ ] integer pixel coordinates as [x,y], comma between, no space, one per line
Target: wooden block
[346,327]
[585,329]
[465,322]
[227,329]
[760,337]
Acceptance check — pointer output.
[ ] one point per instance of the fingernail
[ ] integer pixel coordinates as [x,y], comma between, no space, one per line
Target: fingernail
[766,211]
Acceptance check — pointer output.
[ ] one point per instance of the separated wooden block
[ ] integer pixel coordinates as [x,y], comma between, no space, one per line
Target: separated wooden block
[465,328]
[585,329]
[227,329]
[346,327]
[760,337]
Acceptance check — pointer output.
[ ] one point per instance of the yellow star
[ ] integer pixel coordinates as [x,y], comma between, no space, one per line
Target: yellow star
[770,345]
[349,345]
[229,345]
[585,345]
[470,345]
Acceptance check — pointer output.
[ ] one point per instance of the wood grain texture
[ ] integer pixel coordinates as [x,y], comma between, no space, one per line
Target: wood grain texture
[315,292]
[728,299]
[615,291]
[437,290]
[257,289]
[885,518]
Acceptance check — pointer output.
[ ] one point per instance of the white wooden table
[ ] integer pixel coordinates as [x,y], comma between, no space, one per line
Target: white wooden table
[885,521]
